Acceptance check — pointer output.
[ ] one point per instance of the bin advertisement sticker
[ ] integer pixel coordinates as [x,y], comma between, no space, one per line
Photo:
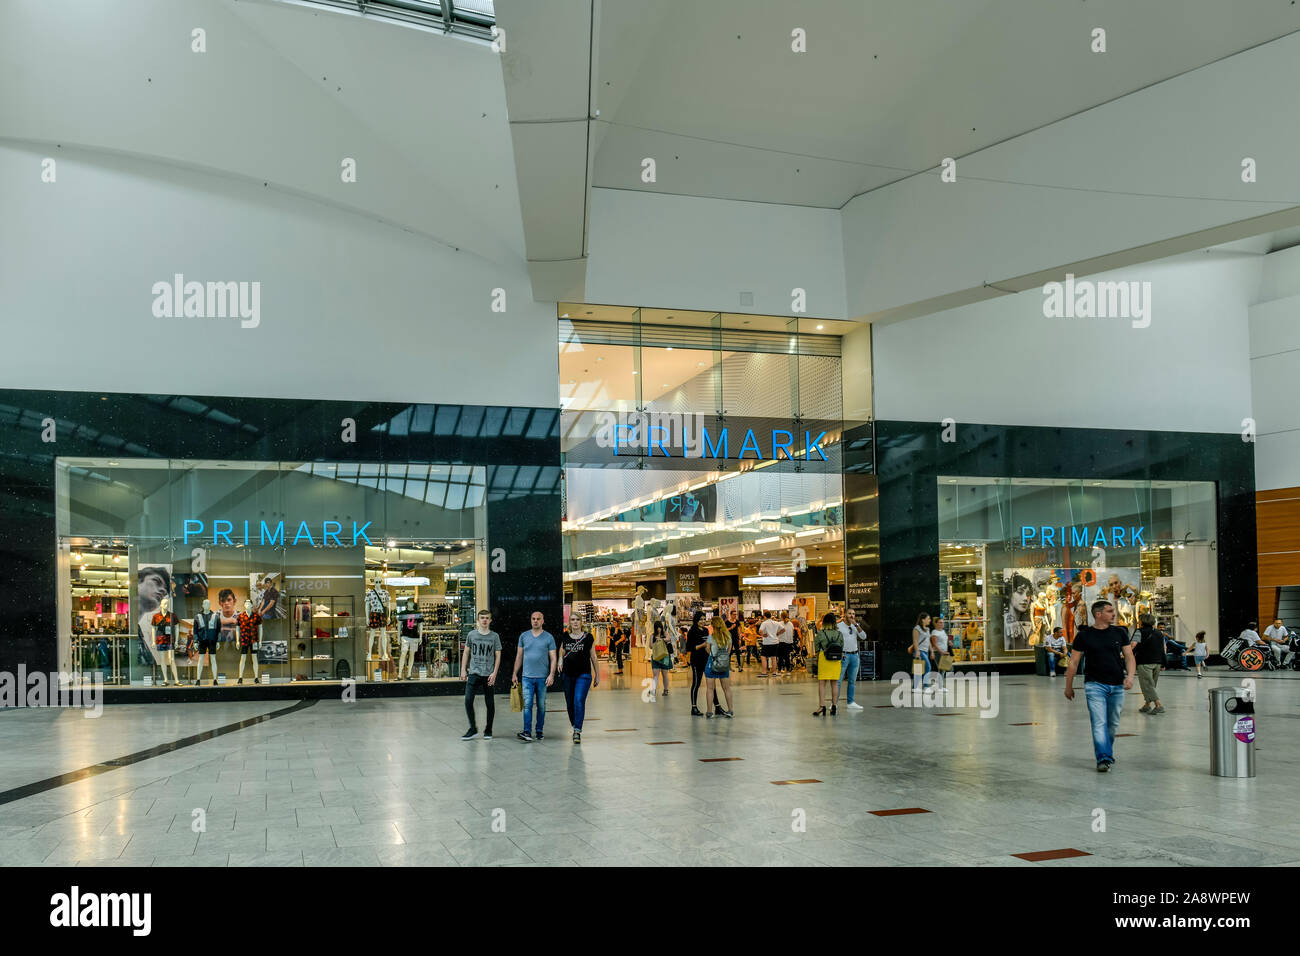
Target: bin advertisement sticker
[1244,729]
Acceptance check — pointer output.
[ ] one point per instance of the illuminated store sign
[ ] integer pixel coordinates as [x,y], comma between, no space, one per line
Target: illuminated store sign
[1082,536]
[229,533]
[658,435]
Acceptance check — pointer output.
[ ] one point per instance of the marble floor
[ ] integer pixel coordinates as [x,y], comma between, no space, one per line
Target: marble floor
[389,782]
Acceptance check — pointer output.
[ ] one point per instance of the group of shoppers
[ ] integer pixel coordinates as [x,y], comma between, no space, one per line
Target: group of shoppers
[930,650]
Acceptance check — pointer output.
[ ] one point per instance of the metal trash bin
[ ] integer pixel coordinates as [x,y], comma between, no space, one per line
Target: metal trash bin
[1232,733]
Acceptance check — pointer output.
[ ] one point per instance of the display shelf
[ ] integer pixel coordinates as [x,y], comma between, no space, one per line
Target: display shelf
[317,621]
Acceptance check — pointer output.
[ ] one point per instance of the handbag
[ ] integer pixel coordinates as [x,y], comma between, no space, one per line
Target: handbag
[516,698]
[945,662]
[918,667]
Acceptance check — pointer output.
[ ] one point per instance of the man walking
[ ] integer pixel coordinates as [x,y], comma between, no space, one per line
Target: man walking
[1149,652]
[478,668]
[536,655]
[771,642]
[1108,674]
[849,671]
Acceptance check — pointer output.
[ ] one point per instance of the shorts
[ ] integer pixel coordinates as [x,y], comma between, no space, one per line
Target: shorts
[1199,659]
[661,667]
[207,646]
[770,650]
[712,674]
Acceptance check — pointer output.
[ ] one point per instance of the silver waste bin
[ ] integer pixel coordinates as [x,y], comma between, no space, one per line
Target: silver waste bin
[1232,733]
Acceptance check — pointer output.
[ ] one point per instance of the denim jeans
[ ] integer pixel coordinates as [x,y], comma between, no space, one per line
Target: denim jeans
[473,684]
[1105,704]
[534,689]
[575,699]
[849,672]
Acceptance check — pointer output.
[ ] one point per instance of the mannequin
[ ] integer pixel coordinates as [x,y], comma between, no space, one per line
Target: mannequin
[641,622]
[250,637]
[165,635]
[376,619]
[409,628]
[207,627]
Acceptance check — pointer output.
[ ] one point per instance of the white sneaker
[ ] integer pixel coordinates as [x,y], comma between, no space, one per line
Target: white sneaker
[854,706]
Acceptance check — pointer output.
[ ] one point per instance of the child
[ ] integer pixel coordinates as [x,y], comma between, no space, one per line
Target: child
[1199,650]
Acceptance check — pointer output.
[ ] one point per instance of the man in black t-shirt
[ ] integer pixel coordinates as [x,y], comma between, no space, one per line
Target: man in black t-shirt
[1110,669]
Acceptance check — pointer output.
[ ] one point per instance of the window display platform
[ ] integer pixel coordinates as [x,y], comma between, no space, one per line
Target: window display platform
[289,690]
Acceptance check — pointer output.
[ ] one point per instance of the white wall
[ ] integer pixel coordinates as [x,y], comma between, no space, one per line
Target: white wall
[1275,372]
[351,308]
[683,252]
[1134,171]
[1002,362]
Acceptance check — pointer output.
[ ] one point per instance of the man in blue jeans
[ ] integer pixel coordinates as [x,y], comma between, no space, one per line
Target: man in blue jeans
[1107,676]
[849,672]
[536,655]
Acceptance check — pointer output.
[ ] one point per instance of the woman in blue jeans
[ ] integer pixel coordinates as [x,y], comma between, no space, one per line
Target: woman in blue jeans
[578,667]
[920,650]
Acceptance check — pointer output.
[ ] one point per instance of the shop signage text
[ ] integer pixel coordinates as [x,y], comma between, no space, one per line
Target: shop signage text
[657,435]
[327,533]
[1082,536]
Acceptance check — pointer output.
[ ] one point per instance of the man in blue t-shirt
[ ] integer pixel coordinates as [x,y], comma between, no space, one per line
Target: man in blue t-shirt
[1108,673]
[536,655]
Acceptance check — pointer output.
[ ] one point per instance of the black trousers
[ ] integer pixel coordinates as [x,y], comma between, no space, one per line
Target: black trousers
[473,684]
[618,655]
[737,649]
[697,678]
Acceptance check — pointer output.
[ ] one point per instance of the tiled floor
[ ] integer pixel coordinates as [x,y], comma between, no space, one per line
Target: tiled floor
[390,783]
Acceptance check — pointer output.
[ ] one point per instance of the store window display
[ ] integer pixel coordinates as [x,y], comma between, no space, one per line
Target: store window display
[249,623]
[164,624]
[206,629]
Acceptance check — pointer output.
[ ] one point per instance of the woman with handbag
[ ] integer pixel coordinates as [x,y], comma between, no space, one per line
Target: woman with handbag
[829,645]
[920,651]
[940,662]
[697,646]
[661,658]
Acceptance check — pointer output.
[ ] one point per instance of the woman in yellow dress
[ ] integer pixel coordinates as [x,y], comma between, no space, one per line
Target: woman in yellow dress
[829,645]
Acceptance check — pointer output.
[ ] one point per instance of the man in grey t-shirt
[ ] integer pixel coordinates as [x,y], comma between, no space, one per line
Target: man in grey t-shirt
[478,669]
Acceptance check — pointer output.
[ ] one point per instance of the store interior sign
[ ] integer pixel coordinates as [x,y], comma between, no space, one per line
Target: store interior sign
[1082,536]
[229,533]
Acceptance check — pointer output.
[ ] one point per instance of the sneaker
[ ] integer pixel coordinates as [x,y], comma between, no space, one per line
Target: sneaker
[487,735]
[1159,709]
[1145,709]
[540,735]
[717,710]
[709,714]
[470,734]
[577,737]
[728,714]
[1102,766]
[1199,676]
[695,712]
[853,706]
[525,737]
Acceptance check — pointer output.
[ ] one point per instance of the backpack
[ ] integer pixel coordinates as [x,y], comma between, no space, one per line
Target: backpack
[721,659]
[834,650]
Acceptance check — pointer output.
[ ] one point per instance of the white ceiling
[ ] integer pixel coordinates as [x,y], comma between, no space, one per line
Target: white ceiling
[713,92]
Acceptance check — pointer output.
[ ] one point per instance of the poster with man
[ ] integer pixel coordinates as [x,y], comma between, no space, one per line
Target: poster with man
[265,595]
[153,582]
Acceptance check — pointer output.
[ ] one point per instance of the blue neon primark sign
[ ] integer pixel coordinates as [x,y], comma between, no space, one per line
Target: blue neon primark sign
[229,533]
[660,437]
[1081,536]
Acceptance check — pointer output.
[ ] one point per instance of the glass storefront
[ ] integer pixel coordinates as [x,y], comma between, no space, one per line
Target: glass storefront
[1020,557]
[333,570]
[698,450]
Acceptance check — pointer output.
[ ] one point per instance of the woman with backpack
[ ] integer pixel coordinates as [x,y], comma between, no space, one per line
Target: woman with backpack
[829,645]
[661,658]
[717,667]
[697,647]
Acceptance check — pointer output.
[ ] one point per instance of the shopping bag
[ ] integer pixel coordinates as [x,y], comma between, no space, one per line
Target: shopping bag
[516,698]
[918,667]
[945,662]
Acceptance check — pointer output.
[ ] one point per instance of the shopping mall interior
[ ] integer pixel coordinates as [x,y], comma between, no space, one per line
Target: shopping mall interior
[369,362]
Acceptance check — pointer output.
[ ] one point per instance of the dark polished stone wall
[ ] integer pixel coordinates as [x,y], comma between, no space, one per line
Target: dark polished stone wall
[910,456]
[519,447]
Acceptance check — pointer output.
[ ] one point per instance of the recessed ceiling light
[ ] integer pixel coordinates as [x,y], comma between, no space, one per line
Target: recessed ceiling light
[820,327]
[668,348]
